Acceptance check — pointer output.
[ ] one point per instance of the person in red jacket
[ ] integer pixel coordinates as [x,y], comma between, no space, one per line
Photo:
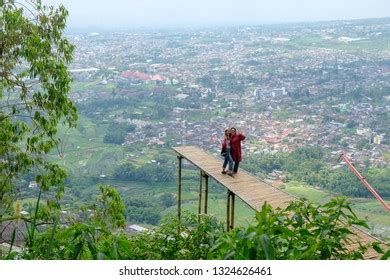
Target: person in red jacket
[235,144]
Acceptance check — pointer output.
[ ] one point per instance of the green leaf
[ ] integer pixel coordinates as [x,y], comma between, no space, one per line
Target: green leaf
[386,255]
[267,247]
[376,246]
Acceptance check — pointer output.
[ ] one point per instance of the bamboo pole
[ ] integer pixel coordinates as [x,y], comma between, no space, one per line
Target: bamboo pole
[206,192]
[179,189]
[200,194]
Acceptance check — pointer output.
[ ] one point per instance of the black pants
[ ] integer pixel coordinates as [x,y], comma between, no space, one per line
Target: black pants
[236,164]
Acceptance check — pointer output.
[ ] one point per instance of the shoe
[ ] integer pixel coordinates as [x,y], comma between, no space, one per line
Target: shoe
[230,174]
[223,172]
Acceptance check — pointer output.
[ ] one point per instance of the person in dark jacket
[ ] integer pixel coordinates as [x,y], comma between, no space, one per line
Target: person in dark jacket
[235,144]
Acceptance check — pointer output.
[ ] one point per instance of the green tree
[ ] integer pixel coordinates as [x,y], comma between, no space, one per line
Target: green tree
[115,137]
[168,200]
[142,210]
[33,94]
[206,81]
[110,208]
[116,132]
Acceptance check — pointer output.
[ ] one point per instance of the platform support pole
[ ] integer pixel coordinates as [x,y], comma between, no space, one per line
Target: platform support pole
[200,194]
[179,189]
[230,210]
[206,192]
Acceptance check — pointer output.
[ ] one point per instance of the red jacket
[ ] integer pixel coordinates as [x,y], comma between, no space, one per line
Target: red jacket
[235,144]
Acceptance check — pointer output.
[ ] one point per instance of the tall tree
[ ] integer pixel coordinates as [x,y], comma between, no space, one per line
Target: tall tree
[33,94]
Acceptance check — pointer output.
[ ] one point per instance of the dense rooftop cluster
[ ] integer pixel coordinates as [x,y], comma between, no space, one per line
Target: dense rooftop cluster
[324,85]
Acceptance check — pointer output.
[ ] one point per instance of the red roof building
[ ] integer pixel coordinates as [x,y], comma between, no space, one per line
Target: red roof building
[272,139]
[136,75]
[158,78]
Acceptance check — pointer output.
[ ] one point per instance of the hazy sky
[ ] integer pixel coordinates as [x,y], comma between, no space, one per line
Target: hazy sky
[132,13]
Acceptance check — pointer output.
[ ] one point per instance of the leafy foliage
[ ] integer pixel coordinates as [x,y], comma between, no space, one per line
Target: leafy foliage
[168,199]
[81,238]
[193,240]
[116,133]
[301,231]
[33,94]
[149,173]
[110,208]
[143,211]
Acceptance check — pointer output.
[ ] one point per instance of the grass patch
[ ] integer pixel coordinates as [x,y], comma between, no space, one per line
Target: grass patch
[243,215]
[82,86]
[307,192]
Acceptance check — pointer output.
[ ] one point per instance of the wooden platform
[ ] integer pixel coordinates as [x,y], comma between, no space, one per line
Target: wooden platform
[250,189]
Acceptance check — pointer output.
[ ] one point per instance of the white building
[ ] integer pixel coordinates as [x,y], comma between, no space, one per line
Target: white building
[33,185]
